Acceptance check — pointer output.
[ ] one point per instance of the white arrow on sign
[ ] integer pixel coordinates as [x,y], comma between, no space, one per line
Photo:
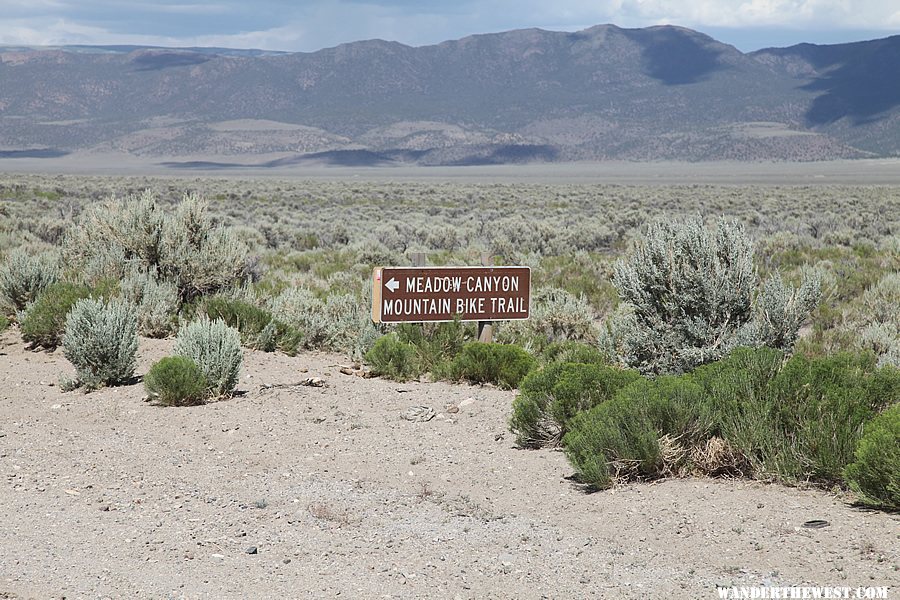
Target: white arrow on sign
[392,284]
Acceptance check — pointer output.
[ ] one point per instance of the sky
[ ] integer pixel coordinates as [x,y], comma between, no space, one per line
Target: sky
[314,24]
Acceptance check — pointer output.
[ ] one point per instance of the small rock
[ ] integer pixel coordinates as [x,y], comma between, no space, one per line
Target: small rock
[346,370]
[251,550]
[467,402]
[217,556]
[313,382]
[286,561]
[104,508]
[452,409]
[418,414]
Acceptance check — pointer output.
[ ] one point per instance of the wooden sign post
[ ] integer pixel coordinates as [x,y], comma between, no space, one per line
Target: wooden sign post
[435,294]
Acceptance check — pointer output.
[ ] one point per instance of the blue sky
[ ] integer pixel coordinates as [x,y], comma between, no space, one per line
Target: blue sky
[311,25]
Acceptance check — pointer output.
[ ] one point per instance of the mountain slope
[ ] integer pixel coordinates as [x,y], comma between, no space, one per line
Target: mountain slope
[604,92]
[856,87]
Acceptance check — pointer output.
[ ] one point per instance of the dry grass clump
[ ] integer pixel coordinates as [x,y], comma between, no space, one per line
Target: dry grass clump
[716,457]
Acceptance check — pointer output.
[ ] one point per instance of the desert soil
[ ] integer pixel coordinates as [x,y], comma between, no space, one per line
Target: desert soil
[297,491]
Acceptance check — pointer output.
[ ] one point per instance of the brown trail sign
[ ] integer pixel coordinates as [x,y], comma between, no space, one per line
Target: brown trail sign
[419,294]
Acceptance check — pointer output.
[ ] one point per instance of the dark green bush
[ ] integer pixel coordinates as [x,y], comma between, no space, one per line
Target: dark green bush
[570,351]
[826,402]
[436,344]
[798,421]
[393,358]
[502,364]
[176,381]
[44,321]
[4,323]
[551,396]
[875,473]
[739,407]
[620,439]
[257,327]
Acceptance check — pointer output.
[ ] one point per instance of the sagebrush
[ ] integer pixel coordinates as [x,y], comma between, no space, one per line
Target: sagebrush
[216,349]
[101,341]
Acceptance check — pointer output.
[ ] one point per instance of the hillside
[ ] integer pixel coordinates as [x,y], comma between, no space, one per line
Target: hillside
[528,95]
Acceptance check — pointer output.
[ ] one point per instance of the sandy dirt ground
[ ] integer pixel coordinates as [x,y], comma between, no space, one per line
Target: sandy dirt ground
[296,491]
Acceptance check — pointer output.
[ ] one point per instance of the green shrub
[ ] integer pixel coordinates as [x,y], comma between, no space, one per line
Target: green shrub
[620,439]
[797,421]
[572,351]
[101,341]
[875,473]
[4,323]
[822,406]
[502,364]
[551,396]
[176,381]
[24,275]
[393,358]
[436,344]
[750,413]
[257,327]
[44,321]
[216,349]
[739,406]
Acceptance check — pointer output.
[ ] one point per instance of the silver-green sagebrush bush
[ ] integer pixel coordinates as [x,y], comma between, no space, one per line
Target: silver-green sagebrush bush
[156,301]
[778,313]
[24,275]
[111,235]
[687,293]
[101,341]
[301,309]
[556,315]
[216,349]
[341,322]
[878,320]
[199,257]
[185,248]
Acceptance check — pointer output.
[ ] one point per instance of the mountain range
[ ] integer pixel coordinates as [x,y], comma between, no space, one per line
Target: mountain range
[603,93]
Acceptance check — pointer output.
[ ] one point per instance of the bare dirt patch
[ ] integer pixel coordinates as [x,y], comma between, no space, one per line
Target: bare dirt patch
[294,491]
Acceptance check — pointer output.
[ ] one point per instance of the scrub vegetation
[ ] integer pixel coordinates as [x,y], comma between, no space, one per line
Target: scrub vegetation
[674,329]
